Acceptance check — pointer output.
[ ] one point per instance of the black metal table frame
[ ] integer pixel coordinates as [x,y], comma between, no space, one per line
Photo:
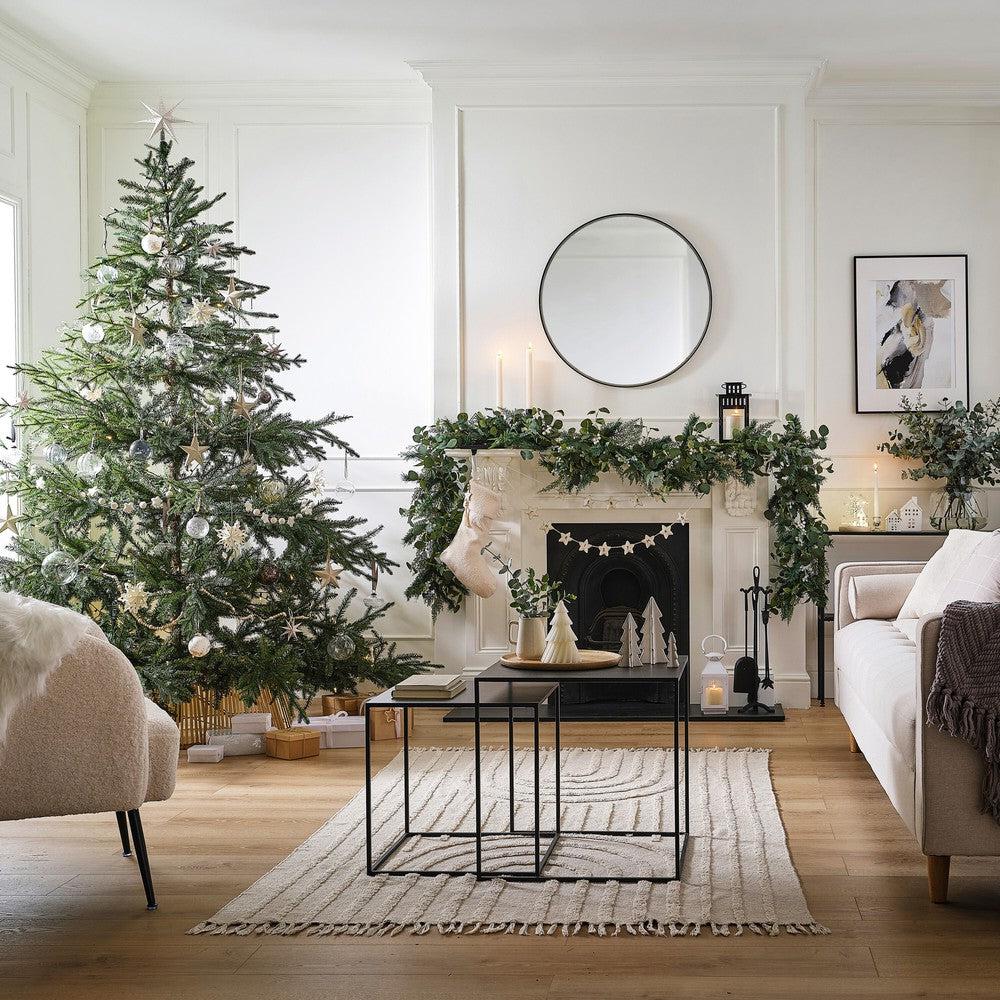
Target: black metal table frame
[376,866]
[679,837]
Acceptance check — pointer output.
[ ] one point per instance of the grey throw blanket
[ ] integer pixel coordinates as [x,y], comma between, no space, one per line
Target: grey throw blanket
[964,700]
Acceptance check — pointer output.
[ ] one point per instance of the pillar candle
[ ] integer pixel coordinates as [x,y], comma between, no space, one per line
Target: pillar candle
[713,695]
[529,377]
[499,379]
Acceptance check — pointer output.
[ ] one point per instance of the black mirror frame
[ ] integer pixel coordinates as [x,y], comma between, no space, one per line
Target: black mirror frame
[541,289]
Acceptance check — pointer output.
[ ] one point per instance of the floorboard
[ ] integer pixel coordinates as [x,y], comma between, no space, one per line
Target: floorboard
[72,923]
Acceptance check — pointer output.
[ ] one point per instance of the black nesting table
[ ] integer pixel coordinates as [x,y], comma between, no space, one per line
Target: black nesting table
[501,688]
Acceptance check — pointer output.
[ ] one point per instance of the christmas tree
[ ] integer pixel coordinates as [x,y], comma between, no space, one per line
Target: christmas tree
[163,486]
[560,643]
[653,650]
[631,654]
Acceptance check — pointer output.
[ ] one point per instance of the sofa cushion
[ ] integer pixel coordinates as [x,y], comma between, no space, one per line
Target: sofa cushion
[965,568]
[879,596]
[880,665]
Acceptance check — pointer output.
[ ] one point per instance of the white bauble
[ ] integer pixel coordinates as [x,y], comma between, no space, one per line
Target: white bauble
[93,333]
[177,344]
[90,465]
[152,243]
[197,526]
[55,454]
[199,645]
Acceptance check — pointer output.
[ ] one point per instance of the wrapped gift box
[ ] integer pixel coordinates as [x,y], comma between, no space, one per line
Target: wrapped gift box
[237,744]
[334,703]
[347,730]
[250,722]
[202,754]
[292,744]
[322,724]
[386,723]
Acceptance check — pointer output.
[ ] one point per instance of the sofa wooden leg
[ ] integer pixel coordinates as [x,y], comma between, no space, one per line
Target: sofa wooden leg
[937,877]
[123,832]
[852,743]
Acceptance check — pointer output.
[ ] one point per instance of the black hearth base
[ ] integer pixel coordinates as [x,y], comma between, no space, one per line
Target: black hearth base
[623,712]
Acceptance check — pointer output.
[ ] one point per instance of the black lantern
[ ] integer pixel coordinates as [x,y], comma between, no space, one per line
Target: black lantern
[734,409]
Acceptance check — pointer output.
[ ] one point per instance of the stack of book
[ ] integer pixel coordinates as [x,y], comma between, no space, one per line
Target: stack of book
[432,687]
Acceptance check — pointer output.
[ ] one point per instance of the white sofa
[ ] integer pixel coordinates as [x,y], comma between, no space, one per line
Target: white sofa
[881,681]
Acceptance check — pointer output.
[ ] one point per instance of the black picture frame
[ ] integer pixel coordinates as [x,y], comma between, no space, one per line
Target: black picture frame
[551,339]
[962,379]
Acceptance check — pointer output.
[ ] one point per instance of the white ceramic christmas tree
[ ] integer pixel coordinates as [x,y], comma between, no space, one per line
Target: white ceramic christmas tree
[631,654]
[560,643]
[653,650]
[673,660]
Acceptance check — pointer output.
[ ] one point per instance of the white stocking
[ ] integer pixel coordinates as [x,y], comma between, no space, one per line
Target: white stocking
[464,555]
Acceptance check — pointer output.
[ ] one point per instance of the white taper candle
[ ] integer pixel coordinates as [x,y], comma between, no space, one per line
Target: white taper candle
[529,376]
[499,379]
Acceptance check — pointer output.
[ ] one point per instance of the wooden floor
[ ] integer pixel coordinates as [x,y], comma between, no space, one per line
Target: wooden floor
[73,923]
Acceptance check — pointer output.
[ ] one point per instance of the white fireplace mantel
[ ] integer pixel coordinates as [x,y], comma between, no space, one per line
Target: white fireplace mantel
[723,549]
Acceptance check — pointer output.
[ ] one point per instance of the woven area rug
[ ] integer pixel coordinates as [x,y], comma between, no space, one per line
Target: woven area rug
[737,873]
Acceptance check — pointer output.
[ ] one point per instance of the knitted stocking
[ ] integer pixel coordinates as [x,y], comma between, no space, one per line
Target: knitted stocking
[464,555]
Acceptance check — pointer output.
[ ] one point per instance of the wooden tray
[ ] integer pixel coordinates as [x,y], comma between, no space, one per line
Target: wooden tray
[590,659]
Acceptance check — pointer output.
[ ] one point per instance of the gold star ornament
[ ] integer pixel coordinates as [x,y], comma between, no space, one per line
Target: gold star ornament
[10,521]
[232,294]
[195,451]
[241,407]
[328,575]
[162,119]
[136,333]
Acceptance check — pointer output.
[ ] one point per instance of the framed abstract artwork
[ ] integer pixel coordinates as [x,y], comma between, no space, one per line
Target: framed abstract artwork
[911,330]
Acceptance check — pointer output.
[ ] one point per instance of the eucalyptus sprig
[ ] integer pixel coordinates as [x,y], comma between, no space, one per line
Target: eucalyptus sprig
[531,596]
[960,445]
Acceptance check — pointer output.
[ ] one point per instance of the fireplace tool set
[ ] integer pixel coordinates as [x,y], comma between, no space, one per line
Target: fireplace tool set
[746,671]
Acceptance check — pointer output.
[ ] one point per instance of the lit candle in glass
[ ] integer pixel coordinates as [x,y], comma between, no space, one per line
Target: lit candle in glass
[529,376]
[499,379]
[713,695]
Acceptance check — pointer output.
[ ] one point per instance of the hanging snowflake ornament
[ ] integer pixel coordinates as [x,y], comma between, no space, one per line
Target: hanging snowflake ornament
[135,598]
[233,537]
[201,312]
[291,629]
[91,393]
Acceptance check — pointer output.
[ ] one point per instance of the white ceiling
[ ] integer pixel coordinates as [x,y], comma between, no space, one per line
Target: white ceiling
[295,40]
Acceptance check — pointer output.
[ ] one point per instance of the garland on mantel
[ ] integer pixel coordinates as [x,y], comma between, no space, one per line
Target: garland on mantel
[575,457]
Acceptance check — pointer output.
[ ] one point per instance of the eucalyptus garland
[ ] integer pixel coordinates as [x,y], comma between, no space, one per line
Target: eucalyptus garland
[575,457]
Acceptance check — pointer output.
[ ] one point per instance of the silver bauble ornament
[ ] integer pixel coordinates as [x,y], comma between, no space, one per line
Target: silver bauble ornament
[60,567]
[177,344]
[263,397]
[90,465]
[152,243]
[106,273]
[340,647]
[197,526]
[55,454]
[93,333]
[272,490]
[172,265]
[140,450]
[199,645]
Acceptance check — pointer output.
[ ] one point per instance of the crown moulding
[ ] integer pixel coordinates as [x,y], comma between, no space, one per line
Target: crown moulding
[802,72]
[43,65]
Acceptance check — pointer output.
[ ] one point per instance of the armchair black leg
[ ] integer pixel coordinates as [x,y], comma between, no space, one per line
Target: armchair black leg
[142,857]
[123,830]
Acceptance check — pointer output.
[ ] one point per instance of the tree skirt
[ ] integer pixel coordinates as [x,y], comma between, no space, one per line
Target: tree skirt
[737,874]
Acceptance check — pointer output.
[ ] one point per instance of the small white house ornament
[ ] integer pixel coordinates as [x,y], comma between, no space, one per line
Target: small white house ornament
[893,522]
[715,681]
[912,515]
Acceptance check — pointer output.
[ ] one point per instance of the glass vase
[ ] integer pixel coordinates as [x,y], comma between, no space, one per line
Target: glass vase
[959,509]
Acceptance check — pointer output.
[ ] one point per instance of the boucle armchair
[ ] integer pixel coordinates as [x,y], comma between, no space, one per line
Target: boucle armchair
[91,742]
[883,673]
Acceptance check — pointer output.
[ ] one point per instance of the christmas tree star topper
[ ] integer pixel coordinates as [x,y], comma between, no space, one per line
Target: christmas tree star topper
[162,119]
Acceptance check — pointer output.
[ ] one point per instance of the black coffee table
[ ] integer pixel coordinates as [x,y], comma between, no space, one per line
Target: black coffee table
[499,675]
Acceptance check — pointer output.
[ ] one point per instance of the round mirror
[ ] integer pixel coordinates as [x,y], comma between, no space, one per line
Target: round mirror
[625,300]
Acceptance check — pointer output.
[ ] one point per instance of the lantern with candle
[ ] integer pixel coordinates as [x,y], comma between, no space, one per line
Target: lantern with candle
[714,680]
[734,409]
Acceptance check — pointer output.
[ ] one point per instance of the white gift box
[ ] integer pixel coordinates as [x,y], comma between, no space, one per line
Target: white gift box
[322,724]
[347,730]
[238,744]
[202,754]
[250,722]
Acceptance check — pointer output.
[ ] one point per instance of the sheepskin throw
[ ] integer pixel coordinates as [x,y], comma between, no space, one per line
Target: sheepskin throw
[737,877]
[964,700]
[34,637]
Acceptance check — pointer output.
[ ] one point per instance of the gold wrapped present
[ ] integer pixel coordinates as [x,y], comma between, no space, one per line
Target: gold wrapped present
[292,744]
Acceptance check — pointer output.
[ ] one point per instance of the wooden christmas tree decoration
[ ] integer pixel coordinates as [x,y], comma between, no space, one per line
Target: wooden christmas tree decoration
[631,654]
[560,643]
[673,660]
[653,650]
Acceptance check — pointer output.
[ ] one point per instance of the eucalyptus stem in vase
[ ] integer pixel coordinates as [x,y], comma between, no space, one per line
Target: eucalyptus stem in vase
[960,445]
[533,598]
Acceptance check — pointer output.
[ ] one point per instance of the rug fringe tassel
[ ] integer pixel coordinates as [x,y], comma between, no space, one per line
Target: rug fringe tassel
[390,928]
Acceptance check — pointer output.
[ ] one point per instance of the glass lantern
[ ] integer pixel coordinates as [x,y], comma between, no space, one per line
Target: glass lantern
[734,409]
[715,680]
